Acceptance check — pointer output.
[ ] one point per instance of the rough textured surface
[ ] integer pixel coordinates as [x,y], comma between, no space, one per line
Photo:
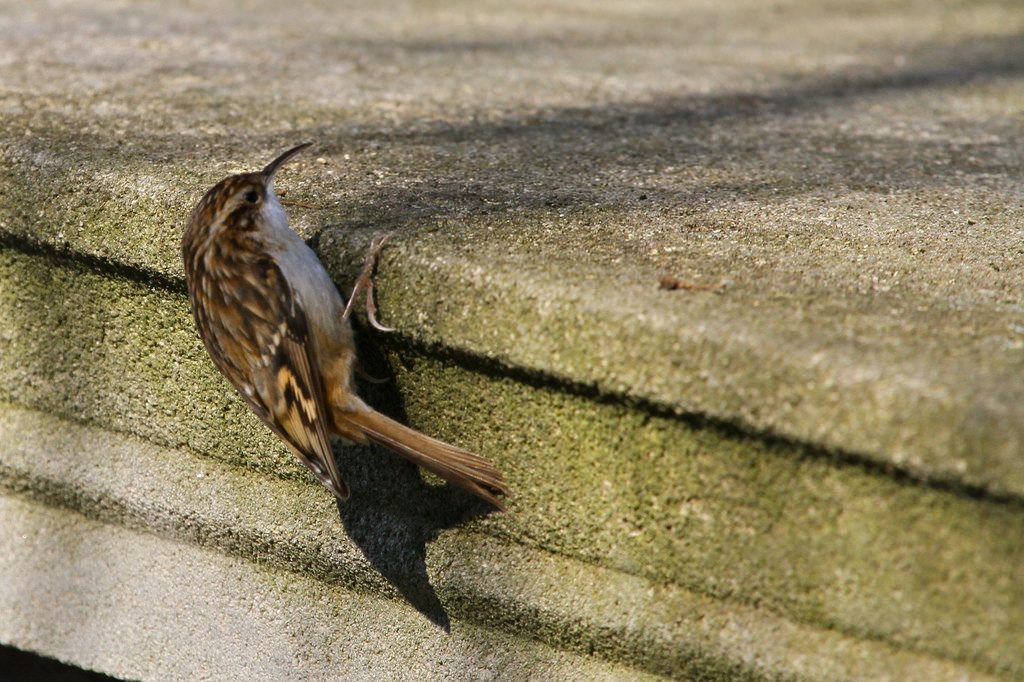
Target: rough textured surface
[485,587]
[130,603]
[847,170]
[722,514]
[830,444]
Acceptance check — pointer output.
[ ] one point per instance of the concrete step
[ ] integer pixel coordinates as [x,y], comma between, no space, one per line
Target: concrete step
[823,438]
[714,511]
[104,535]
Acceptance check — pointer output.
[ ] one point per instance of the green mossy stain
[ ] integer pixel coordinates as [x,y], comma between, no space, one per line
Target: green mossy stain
[121,354]
[824,542]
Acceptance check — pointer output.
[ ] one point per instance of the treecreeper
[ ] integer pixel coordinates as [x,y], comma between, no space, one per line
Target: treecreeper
[276,327]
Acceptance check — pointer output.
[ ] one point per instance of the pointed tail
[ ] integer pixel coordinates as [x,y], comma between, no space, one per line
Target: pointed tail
[460,467]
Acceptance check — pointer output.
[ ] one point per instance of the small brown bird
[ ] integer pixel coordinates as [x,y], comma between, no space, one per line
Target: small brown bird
[276,327]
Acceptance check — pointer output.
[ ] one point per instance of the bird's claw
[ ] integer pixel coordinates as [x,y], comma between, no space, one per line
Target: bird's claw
[365,283]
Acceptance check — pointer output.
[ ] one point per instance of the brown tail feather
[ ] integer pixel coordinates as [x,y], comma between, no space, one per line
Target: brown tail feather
[460,467]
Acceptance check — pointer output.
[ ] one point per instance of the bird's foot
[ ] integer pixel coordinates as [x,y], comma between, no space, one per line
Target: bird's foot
[364,283]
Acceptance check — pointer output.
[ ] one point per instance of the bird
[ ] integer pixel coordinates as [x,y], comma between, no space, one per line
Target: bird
[279,331]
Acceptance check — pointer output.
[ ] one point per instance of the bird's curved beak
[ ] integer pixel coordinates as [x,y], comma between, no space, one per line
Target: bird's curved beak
[268,172]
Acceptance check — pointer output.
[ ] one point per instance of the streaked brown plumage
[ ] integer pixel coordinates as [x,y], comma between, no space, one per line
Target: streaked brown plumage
[277,329]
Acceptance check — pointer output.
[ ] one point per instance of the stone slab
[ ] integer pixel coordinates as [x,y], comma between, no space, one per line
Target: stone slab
[847,171]
[179,567]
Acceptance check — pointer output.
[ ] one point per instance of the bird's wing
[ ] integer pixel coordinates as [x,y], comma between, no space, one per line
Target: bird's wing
[266,350]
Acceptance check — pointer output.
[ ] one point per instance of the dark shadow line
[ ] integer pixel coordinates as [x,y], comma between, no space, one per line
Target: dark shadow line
[540,379]
[71,258]
[19,664]
[729,429]
[999,60]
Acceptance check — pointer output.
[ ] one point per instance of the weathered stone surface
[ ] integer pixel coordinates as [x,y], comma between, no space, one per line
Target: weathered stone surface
[130,604]
[618,486]
[293,576]
[835,437]
[848,172]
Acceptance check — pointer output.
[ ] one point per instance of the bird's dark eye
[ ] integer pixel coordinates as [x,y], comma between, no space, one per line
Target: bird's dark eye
[252,196]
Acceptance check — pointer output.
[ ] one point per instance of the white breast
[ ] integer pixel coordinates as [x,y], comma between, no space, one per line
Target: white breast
[319,297]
